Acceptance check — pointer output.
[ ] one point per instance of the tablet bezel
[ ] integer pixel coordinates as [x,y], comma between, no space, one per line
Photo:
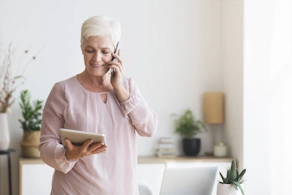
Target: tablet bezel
[78,137]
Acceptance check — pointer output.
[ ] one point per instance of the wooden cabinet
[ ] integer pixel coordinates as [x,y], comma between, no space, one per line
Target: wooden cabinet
[35,175]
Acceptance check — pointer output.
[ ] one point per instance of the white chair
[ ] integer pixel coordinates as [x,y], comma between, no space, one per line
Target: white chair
[188,179]
[144,189]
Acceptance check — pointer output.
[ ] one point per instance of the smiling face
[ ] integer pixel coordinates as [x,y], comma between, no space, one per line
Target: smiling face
[97,52]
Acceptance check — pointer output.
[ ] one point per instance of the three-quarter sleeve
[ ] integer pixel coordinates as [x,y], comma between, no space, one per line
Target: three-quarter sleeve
[52,152]
[142,116]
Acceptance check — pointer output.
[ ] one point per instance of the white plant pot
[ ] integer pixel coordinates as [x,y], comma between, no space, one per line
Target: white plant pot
[4,132]
[227,189]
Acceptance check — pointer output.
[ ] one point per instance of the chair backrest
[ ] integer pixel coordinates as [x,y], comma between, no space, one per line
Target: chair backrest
[144,189]
[188,180]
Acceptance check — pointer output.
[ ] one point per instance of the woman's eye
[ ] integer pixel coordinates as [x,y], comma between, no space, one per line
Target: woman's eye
[89,51]
[105,52]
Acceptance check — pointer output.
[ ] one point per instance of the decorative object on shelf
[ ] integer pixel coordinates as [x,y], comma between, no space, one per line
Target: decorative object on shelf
[4,132]
[8,84]
[232,183]
[9,81]
[31,125]
[220,150]
[213,114]
[188,127]
[166,148]
[213,107]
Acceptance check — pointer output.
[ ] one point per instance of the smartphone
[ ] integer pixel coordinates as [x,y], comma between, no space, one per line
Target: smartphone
[113,58]
[116,50]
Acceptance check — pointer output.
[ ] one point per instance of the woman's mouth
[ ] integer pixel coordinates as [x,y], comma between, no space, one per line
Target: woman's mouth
[97,66]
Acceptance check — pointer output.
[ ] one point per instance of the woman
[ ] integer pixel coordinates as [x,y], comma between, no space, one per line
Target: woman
[99,101]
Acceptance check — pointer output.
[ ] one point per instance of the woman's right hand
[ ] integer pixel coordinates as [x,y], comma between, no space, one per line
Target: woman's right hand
[86,149]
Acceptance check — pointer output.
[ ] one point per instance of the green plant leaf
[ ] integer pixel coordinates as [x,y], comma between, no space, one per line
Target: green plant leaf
[237,184]
[31,112]
[228,175]
[224,181]
[186,125]
[241,190]
[241,175]
[232,175]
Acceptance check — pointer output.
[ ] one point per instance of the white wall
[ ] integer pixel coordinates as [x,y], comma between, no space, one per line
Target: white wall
[280,100]
[171,48]
[257,57]
[232,73]
[258,32]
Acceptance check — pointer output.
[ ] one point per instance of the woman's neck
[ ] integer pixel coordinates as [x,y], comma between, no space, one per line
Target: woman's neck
[99,83]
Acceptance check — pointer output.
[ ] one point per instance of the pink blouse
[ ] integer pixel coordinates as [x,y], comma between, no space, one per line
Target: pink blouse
[113,172]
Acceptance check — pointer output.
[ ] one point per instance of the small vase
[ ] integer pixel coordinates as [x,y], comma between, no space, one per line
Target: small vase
[227,189]
[4,132]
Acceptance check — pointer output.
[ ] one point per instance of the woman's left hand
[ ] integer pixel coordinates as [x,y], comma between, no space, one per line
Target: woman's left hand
[117,70]
[117,77]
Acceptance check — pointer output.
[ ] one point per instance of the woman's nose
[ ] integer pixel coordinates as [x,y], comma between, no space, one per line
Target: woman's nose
[97,57]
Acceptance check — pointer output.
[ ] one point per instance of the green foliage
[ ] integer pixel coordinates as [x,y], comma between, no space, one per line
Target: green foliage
[233,178]
[31,112]
[186,124]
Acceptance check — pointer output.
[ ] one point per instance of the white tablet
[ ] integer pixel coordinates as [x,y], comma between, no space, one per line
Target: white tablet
[78,137]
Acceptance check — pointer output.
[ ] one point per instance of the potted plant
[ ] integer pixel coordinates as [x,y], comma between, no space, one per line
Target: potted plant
[30,124]
[232,182]
[188,127]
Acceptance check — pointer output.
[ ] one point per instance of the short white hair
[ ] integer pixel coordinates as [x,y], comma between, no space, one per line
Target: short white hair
[101,26]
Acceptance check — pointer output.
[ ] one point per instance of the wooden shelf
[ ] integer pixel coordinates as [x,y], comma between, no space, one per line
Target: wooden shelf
[155,159]
[150,159]
[30,161]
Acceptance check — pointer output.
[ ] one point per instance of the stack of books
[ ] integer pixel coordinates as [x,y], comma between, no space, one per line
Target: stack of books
[166,147]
